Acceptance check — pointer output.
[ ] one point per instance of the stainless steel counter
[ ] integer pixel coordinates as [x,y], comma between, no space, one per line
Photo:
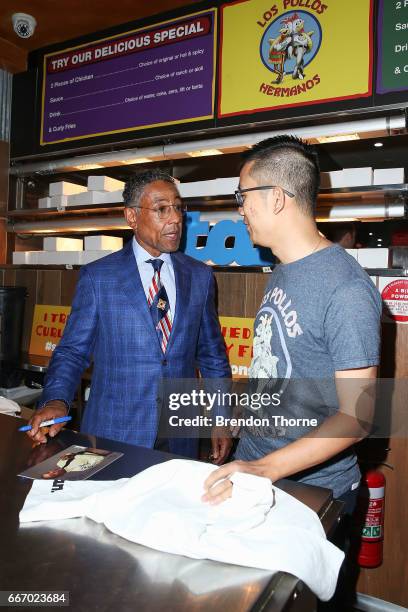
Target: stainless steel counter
[102,571]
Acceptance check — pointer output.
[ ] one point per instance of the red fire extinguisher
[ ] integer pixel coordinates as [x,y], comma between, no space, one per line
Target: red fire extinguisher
[371,549]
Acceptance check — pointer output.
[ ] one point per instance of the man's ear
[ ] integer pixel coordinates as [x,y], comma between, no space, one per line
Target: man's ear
[278,200]
[131,217]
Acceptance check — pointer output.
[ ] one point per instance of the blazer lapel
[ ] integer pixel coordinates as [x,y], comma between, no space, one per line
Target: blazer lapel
[183,287]
[131,285]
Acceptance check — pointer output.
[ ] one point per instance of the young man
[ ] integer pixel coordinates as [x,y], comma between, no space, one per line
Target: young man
[144,313]
[319,321]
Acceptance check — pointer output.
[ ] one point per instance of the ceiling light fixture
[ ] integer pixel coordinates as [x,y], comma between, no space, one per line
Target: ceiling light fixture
[364,128]
[378,144]
[337,138]
[357,212]
[136,160]
[88,166]
[328,220]
[205,152]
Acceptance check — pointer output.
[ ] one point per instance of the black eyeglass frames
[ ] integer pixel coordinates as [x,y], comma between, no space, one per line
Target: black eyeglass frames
[240,200]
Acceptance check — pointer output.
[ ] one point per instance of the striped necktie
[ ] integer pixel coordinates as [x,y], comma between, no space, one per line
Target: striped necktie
[159,305]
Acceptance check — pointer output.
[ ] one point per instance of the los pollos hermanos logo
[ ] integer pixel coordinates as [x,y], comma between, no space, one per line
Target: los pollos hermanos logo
[291,40]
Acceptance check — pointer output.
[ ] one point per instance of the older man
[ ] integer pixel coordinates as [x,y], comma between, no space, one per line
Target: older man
[144,313]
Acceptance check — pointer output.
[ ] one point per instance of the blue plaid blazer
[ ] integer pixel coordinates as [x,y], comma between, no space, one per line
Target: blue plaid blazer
[111,323]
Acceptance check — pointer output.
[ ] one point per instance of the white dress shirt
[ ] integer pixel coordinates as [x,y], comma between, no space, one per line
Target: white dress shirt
[146,273]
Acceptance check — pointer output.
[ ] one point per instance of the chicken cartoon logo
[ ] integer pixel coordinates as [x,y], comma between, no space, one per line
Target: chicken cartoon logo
[289,44]
[280,48]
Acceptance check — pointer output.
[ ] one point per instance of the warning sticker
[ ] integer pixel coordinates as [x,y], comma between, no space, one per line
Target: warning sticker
[371,532]
[395,298]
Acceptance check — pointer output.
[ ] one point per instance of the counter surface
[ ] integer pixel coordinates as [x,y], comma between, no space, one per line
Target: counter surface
[102,571]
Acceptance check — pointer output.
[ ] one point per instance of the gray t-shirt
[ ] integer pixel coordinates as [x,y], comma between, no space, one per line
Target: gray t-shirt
[319,314]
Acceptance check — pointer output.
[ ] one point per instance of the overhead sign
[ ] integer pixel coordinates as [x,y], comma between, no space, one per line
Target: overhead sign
[148,77]
[293,52]
[48,326]
[392,65]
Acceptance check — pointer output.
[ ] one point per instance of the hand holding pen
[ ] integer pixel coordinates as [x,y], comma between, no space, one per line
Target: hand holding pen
[63,419]
[52,411]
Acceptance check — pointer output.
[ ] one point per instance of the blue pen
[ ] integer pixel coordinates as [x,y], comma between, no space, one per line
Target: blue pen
[46,423]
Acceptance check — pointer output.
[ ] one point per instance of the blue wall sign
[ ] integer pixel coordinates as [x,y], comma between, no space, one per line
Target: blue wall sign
[242,252]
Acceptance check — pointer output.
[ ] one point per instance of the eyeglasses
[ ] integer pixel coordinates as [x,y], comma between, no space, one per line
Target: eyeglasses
[163,212]
[240,200]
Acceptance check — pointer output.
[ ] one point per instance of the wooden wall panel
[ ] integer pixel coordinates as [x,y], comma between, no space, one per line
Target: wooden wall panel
[49,287]
[9,277]
[394,354]
[254,289]
[240,293]
[74,18]
[4,178]
[69,281]
[3,240]
[12,58]
[389,581]
[44,286]
[27,278]
[231,294]
[4,174]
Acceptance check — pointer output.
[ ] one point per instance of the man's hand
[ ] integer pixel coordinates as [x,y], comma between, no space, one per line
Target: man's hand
[218,487]
[41,452]
[221,444]
[51,410]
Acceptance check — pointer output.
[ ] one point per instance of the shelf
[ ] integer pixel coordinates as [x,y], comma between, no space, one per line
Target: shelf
[374,202]
[386,271]
[368,190]
[39,267]
[199,203]
[326,196]
[230,269]
[26,213]
[372,194]
[268,269]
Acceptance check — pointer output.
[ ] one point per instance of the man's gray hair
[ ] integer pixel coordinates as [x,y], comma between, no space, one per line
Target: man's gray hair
[134,186]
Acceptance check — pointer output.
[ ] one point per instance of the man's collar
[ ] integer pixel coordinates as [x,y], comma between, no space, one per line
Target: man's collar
[141,255]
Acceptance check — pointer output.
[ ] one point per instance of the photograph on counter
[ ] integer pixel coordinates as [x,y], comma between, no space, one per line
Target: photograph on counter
[72,463]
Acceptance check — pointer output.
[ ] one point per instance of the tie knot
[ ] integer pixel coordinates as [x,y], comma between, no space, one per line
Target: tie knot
[156,263]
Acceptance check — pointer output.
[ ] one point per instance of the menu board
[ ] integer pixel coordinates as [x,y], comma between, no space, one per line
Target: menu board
[148,77]
[296,52]
[392,66]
